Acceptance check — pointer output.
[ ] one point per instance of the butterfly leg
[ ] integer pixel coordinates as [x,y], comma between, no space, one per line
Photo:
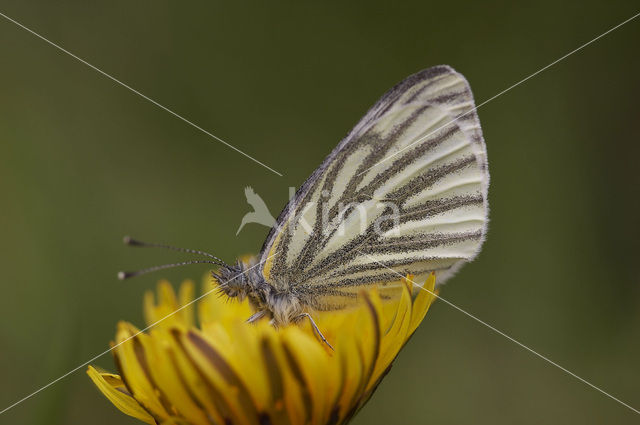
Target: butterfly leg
[256,316]
[315,328]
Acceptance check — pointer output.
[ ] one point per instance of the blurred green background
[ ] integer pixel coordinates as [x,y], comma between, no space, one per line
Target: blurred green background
[83,162]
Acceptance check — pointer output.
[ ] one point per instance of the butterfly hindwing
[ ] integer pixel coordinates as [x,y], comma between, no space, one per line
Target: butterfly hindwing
[406,190]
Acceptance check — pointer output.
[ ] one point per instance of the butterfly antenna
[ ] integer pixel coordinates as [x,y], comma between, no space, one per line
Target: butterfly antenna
[126,275]
[134,242]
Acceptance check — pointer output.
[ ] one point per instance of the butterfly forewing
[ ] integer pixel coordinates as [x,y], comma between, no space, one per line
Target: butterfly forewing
[406,190]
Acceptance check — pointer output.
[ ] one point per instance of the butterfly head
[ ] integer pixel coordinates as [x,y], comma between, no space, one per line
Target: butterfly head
[242,280]
[233,280]
[245,281]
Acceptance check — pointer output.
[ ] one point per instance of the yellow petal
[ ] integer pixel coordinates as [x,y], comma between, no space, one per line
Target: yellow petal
[135,371]
[395,337]
[217,370]
[112,387]
[156,355]
[169,311]
[423,301]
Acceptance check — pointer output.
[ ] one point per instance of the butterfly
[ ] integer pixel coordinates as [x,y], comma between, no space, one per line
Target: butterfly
[405,192]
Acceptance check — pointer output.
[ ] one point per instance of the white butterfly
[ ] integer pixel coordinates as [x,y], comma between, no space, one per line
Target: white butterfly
[420,149]
[405,192]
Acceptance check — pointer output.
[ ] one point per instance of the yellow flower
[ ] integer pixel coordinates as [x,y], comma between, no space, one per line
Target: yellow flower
[227,371]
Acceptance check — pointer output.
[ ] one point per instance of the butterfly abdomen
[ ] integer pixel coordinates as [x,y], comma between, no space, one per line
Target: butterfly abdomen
[285,307]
